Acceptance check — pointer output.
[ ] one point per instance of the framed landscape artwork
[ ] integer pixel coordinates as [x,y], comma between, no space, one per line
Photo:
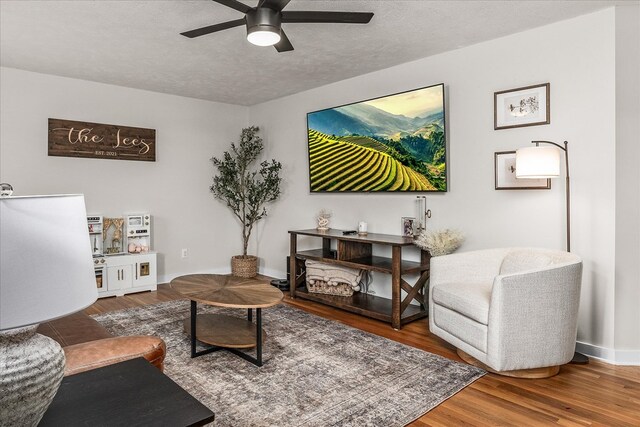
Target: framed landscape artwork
[525,106]
[395,143]
[505,174]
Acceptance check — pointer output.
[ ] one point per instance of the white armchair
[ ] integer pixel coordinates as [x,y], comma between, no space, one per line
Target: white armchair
[512,311]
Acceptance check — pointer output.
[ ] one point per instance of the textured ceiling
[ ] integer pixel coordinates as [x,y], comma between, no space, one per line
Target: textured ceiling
[137,43]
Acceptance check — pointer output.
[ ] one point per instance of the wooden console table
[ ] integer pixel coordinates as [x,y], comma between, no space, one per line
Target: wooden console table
[356,251]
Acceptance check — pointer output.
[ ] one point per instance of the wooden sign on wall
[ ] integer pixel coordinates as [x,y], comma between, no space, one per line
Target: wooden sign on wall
[69,138]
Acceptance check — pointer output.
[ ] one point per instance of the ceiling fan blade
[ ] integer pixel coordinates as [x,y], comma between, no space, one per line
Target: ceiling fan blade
[284,45]
[276,5]
[213,28]
[333,17]
[234,4]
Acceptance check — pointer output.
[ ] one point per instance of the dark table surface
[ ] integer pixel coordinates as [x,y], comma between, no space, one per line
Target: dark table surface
[131,393]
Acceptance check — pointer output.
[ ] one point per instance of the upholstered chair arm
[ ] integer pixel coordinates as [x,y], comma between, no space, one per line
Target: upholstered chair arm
[468,267]
[533,317]
[95,354]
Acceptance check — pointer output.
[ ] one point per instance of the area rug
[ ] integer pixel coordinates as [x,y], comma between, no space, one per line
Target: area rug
[316,372]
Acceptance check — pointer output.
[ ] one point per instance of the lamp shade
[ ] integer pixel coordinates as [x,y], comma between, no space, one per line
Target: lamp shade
[537,162]
[46,266]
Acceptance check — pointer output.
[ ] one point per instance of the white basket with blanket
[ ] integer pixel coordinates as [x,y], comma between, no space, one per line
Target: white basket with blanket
[332,279]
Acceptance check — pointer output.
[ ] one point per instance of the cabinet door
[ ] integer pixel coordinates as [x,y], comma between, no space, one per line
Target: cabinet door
[113,278]
[144,270]
[119,277]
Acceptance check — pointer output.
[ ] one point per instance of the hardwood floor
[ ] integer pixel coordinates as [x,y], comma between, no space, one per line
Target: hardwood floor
[581,395]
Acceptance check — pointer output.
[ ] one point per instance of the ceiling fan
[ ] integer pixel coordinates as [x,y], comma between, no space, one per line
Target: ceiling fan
[264,21]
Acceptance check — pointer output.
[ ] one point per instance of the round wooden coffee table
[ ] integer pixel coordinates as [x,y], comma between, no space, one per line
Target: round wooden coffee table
[225,332]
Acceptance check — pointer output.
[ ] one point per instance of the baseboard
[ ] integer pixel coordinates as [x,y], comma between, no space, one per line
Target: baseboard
[610,355]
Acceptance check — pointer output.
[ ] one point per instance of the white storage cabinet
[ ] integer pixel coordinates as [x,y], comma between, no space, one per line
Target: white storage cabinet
[129,273]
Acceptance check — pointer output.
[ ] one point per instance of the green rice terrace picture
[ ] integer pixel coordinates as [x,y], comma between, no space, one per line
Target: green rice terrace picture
[394,143]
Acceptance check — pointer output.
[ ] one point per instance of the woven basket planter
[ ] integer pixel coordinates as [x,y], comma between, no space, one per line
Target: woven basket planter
[244,265]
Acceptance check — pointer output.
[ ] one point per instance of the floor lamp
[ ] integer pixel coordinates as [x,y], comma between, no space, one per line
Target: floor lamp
[544,162]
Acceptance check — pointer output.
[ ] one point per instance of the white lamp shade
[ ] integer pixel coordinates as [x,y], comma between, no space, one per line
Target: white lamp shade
[537,162]
[263,37]
[46,266]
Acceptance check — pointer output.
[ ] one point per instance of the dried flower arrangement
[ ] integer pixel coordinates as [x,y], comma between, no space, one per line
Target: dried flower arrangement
[440,242]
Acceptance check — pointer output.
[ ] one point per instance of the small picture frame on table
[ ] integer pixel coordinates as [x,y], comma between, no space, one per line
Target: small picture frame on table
[505,174]
[524,106]
[408,226]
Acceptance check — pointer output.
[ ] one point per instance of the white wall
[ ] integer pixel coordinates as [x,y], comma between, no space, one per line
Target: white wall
[174,188]
[577,58]
[627,294]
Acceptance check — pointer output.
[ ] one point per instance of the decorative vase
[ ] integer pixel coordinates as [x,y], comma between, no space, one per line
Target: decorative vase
[244,265]
[31,369]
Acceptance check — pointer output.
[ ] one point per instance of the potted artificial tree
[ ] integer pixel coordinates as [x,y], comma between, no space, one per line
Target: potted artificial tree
[246,191]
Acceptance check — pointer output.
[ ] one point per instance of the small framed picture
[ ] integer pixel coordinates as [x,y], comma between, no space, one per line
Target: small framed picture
[524,106]
[408,224]
[505,174]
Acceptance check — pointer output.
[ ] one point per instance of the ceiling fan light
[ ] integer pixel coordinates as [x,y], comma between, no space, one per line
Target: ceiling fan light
[264,37]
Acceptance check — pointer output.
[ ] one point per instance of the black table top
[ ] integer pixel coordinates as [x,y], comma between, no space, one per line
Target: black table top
[131,393]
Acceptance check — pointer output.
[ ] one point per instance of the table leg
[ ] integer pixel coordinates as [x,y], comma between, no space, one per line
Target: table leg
[293,274]
[425,260]
[194,315]
[259,336]
[255,360]
[396,257]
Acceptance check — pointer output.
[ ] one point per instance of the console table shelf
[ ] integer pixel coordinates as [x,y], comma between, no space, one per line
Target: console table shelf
[363,304]
[357,252]
[373,263]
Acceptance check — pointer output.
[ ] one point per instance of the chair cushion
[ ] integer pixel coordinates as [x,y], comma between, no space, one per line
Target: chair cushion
[466,330]
[469,299]
[518,261]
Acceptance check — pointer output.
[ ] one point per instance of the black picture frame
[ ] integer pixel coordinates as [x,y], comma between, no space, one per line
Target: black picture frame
[445,136]
[512,106]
